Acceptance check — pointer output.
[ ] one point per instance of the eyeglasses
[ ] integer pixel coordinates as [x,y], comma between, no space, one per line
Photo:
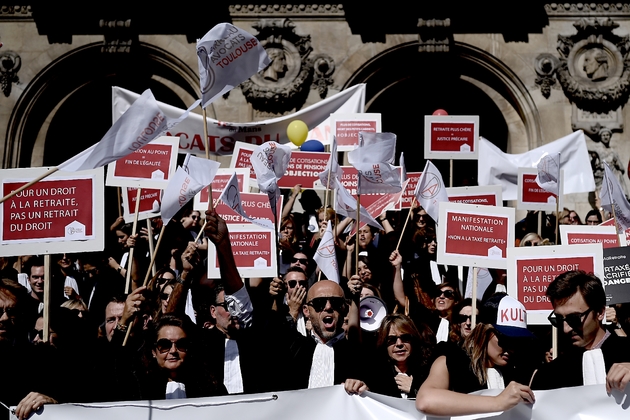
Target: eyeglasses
[194,217]
[336,302]
[162,280]
[429,239]
[460,319]
[165,296]
[592,222]
[574,321]
[293,283]
[303,261]
[448,294]
[11,312]
[223,304]
[164,345]
[393,339]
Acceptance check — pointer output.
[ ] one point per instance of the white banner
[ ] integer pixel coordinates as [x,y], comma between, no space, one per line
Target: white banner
[222,135]
[584,402]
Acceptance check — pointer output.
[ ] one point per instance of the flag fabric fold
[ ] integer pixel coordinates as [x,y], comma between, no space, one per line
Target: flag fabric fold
[203,170]
[612,196]
[270,161]
[347,206]
[227,56]
[231,196]
[373,160]
[549,173]
[332,168]
[430,190]
[326,257]
[180,189]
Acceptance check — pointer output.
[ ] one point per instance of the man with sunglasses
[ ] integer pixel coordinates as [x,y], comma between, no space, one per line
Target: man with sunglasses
[289,294]
[579,304]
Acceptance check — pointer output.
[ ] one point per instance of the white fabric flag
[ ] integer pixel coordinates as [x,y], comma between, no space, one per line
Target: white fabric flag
[347,206]
[332,168]
[137,127]
[403,168]
[548,177]
[270,161]
[325,256]
[231,196]
[498,168]
[430,190]
[227,56]
[611,195]
[374,159]
[180,189]
[203,170]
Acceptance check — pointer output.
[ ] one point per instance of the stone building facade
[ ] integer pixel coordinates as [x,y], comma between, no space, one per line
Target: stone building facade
[534,72]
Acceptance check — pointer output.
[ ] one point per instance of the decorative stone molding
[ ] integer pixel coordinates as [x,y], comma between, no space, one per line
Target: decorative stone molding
[10,64]
[586,9]
[118,35]
[284,85]
[434,35]
[286,10]
[9,13]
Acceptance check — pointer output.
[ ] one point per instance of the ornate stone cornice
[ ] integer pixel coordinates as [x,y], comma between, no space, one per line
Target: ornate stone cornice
[11,13]
[572,10]
[256,11]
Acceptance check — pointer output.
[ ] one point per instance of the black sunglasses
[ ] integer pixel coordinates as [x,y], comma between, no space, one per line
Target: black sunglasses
[223,304]
[460,319]
[393,339]
[574,321]
[164,345]
[319,303]
[165,296]
[293,283]
[448,294]
[194,217]
[11,312]
[162,280]
[303,261]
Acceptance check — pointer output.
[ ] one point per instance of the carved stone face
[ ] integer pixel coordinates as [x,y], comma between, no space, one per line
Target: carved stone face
[595,64]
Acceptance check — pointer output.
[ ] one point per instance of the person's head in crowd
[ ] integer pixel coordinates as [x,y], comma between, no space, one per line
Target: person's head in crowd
[122,233]
[219,311]
[171,341]
[364,271]
[34,269]
[13,298]
[165,294]
[310,201]
[36,335]
[76,306]
[579,304]
[563,217]
[195,217]
[366,235]
[447,296]
[323,216]
[531,239]
[295,277]
[461,327]
[593,218]
[574,218]
[370,290]
[430,241]
[162,276]
[425,242]
[175,239]
[403,344]
[288,231]
[326,308]
[113,313]
[300,260]
[65,261]
[421,218]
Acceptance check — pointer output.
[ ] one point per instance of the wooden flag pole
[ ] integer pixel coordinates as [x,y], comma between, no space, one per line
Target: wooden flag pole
[356,241]
[473,320]
[406,221]
[150,239]
[28,184]
[133,232]
[119,203]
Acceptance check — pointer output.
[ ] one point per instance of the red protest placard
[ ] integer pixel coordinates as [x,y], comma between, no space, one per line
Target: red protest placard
[451,137]
[407,197]
[346,128]
[350,180]
[584,234]
[218,184]
[254,253]
[530,196]
[304,168]
[489,195]
[150,202]
[255,205]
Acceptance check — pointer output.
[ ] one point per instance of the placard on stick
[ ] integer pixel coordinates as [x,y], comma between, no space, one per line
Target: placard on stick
[531,197]
[451,137]
[617,275]
[218,183]
[150,201]
[61,213]
[346,128]
[585,234]
[475,235]
[487,195]
[531,269]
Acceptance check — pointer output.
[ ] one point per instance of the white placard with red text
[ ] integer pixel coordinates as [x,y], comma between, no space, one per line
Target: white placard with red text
[61,213]
[240,160]
[151,166]
[531,269]
[346,128]
[407,197]
[254,250]
[150,202]
[350,180]
[585,234]
[611,222]
[304,169]
[255,205]
[474,235]
[218,183]
[451,137]
[488,195]
[530,196]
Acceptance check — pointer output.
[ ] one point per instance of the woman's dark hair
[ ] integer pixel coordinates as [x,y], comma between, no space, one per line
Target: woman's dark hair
[595,213]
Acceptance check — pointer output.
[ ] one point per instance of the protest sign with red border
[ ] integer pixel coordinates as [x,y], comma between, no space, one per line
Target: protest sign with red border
[304,168]
[255,205]
[451,137]
[151,166]
[218,183]
[489,195]
[407,197]
[475,235]
[346,128]
[61,213]
[611,222]
[350,180]
[240,160]
[584,234]
[150,202]
[530,196]
[531,269]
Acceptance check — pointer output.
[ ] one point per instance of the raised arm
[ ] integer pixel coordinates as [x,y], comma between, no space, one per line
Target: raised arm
[216,230]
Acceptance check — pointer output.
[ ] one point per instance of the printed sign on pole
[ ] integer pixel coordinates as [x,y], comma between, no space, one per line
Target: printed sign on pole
[254,250]
[409,192]
[489,195]
[346,128]
[531,196]
[451,137]
[151,166]
[304,168]
[531,269]
[61,213]
[255,205]
[617,275]
[584,234]
[150,202]
[218,183]
[350,180]
[475,235]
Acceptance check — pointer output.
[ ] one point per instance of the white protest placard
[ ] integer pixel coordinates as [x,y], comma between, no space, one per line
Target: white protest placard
[585,234]
[475,235]
[530,196]
[150,202]
[451,137]
[304,168]
[61,213]
[241,160]
[531,269]
[151,166]
[488,195]
[218,183]
[254,250]
[346,128]
[409,193]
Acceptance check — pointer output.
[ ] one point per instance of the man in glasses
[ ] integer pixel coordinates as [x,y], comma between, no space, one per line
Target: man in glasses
[579,304]
[289,295]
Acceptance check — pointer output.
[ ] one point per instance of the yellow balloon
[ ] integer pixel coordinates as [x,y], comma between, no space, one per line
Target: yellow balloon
[297,131]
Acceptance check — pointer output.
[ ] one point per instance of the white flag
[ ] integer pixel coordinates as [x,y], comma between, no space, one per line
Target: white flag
[347,206]
[374,159]
[180,189]
[325,256]
[498,168]
[430,190]
[611,195]
[549,173]
[403,168]
[203,170]
[137,127]
[231,196]
[270,161]
[332,168]
[227,56]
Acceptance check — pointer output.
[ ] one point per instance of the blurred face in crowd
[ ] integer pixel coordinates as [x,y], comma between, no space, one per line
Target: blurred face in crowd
[583,323]
[431,244]
[465,321]
[422,218]
[364,272]
[445,300]
[365,236]
[299,260]
[365,292]
[196,217]
[171,348]
[122,238]
[398,345]
[294,279]
[574,219]
[90,270]
[287,231]
[36,279]
[8,308]
[165,296]
[496,354]
[65,261]
[113,313]
[225,322]
[325,308]
[592,220]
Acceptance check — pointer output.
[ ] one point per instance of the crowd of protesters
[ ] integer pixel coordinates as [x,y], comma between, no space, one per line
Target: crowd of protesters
[183,335]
